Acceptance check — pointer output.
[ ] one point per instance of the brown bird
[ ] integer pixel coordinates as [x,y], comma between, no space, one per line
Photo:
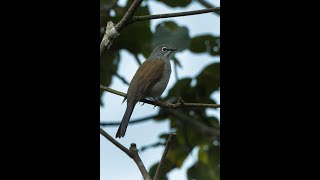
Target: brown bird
[150,80]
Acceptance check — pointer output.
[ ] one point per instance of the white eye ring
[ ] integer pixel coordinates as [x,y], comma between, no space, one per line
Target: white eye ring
[164,49]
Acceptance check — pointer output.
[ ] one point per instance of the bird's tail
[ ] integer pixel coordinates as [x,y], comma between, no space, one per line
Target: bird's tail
[125,120]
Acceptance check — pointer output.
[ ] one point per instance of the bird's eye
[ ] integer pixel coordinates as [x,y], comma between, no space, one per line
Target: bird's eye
[164,49]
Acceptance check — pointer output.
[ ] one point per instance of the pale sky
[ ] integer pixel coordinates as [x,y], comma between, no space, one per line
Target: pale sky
[116,165]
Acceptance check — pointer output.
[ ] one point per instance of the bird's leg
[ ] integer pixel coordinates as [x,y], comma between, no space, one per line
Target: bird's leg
[155,102]
[142,103]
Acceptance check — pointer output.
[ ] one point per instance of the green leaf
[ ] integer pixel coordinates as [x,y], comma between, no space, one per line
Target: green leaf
[171,34]
[208,166]
[176,3]
[208,80]
[136,37]
[214,122]
[176,62]
[167,167]
[181,89]
[200,171]
[206,43]
[178,152]
[203,155]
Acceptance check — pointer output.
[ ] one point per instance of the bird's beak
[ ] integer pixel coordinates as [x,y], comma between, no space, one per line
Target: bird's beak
[173,49]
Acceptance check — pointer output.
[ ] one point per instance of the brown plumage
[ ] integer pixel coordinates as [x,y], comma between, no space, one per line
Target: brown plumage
[150,80]
[147,75]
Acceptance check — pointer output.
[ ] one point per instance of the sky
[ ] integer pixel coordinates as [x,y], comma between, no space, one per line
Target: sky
[116,165]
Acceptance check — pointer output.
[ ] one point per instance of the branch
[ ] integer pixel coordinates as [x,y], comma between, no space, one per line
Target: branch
[158,171]
[137,59]
[198,126]
[187,13]
[132,153]
[143,148]
[130,122]
[138,161]
[116,143]
[113,31]
[179,104]
[205,4]
[121,78]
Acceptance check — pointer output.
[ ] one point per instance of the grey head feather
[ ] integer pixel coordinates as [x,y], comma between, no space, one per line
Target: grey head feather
[162,52]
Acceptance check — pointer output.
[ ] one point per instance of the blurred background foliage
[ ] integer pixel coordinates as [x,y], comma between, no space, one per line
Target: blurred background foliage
[138,39]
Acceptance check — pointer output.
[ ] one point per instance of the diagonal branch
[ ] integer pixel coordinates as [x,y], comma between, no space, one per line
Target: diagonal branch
[132,153]
[158,171]
[121,78]
[113,31]
[205,4]
[116,143]
[187,13]
[179,104]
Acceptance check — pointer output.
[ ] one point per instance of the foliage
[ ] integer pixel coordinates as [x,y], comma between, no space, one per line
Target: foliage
[137,39]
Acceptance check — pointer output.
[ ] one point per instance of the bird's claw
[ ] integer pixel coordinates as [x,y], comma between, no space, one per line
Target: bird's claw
[155,103]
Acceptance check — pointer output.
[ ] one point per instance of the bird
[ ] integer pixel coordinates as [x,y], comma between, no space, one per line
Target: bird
[149,81]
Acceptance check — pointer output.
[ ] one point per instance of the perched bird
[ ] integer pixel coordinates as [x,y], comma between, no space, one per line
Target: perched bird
[150,80]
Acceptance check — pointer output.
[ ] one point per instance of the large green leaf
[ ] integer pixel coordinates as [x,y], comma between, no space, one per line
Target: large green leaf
[178,151]
[167,167]
[176,3]
[200,171]
[170,33]
[206,43]
[182,89]
[208,80]
[208,166]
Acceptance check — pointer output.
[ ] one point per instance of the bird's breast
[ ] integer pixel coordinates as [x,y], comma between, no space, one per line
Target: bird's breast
[161,85]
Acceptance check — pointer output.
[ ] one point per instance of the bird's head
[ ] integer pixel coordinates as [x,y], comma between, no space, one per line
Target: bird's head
[163,52]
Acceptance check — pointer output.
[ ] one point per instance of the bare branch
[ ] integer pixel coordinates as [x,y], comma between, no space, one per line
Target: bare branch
[130,122]
[158,171]
[205,4]
[143,148]
[132,153]
[113,31]
[116,143]
[179,104]
[138,161]
[137,59]
[121,78]
[187,13]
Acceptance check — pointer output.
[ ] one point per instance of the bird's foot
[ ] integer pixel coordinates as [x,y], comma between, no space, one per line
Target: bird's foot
[155,102]
[141,103]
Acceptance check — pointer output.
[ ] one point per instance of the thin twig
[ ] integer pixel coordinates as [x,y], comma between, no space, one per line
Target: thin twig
[205,4]
[179,104]
[176,71]
[130,122]
[158,171]
[116,143]
[121,78]
[132,153]
[137,59]
[143,148]
[187,13]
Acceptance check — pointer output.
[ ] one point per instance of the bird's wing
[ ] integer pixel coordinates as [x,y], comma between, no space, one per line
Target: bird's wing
[147,75]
